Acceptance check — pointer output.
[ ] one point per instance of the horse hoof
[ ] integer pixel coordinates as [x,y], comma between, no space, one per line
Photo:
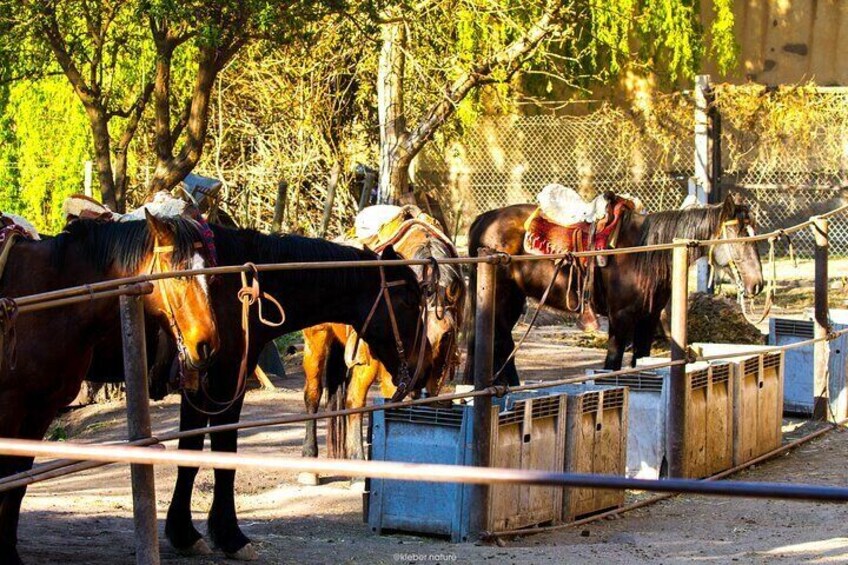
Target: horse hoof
[357,485]
[246,553]
[200,547]
[308,479]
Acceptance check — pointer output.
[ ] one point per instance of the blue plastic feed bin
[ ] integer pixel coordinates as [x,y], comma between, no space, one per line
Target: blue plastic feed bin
[527,433]
[420,435]
[798,393]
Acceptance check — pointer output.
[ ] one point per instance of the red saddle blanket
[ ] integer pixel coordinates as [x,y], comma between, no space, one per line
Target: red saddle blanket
[544,237]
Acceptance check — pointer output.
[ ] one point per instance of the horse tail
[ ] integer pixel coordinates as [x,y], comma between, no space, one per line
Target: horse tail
[335,384]
[474,243]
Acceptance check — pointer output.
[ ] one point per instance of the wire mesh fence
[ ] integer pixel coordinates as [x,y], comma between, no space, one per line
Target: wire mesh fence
[785,150]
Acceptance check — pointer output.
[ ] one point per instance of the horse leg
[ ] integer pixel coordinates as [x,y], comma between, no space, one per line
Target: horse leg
[510,303]
[644,334]
[223,522]
[357,395]
[34,427]
[10,501]
[312,391]
[179,528]
[620,334]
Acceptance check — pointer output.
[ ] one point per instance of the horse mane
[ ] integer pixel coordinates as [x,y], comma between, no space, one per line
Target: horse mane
[438,249]
[125,245]
[653,268]
[238,245]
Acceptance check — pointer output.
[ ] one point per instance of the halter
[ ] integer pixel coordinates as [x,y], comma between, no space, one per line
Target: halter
[737,274]
[406,381]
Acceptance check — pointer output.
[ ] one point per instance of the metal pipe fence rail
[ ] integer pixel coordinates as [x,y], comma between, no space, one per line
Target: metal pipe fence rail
[495,258]
[479,474]
[63,467]
[420,472]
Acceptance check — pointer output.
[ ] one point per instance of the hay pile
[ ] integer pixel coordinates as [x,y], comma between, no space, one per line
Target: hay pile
[714,319]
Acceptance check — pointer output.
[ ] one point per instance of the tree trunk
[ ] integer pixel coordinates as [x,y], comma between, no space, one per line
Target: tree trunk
[394,164]
[332,182]
[170,170]
[102,157]
[398,145]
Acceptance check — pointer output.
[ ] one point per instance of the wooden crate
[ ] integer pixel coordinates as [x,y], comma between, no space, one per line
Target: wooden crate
[647,403]
[757,398]
[595,442]
[528,432]
[528,435]
[709,419]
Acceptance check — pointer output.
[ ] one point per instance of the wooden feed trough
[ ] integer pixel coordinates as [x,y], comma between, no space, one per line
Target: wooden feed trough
[757,398]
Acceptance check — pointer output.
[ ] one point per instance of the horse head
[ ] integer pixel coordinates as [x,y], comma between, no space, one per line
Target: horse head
[742,258]
[445,291]
[183,302]
[393,325]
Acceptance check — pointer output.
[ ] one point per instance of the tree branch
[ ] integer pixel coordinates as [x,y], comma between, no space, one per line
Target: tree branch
[512,56]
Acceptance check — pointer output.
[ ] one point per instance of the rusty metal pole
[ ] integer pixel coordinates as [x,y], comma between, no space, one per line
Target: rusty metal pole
[676,440]
[821,350]
[138,425]
[484,347]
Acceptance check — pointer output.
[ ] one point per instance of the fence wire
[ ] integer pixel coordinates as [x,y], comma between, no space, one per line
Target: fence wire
[785,150]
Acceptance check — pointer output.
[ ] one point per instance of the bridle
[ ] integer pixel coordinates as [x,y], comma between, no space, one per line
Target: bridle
[733,265]
[169,310]
[406,381]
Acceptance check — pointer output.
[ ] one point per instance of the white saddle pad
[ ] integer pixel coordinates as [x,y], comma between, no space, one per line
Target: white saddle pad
[565,206]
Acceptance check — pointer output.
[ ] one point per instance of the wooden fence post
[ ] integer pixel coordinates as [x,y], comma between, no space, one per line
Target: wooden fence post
[138,425]
[332,182]
[821,350]
[87,179]
[280,206]
[484,346]
[369,182]
[676,442]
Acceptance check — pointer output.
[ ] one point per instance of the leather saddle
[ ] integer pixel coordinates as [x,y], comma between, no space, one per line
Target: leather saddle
[544,236]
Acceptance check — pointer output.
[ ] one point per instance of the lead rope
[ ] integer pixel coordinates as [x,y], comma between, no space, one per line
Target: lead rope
[248,295]
[770,289]
[8,334]
[557,267]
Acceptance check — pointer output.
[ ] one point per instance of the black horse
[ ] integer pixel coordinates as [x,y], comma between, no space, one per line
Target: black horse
[308,297]
[631,290]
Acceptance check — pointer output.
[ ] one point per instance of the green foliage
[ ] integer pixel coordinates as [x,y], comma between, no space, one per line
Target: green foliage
[46,142]
[723,47]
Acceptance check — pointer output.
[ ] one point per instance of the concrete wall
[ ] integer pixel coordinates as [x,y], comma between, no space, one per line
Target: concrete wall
[789,41]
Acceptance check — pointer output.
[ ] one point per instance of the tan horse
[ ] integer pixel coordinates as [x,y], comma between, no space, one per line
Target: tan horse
[333,359]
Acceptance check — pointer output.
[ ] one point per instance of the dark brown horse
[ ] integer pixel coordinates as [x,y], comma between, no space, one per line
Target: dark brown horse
[631,290]
[324,347]
[309,297]
[54,347]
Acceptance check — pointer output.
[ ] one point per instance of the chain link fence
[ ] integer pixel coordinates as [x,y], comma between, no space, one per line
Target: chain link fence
[508,160]
[786,151]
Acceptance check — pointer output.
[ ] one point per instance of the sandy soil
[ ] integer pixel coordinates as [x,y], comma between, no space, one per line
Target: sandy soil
[87,518]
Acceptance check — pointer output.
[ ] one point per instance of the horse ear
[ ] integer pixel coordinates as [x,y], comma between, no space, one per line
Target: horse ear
[389,253]
[158,228]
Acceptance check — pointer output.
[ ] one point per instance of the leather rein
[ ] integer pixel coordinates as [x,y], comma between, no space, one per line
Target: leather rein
[407,381]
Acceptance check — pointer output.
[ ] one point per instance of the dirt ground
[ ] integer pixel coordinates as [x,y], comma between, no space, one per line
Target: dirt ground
[87,518]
